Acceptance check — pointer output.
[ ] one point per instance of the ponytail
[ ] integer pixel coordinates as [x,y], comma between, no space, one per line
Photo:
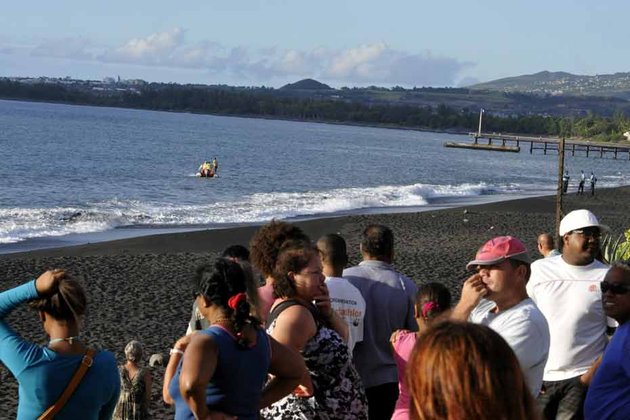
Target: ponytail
[224,284]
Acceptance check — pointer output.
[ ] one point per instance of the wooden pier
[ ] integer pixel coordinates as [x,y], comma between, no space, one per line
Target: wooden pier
[512,143]
[493,147]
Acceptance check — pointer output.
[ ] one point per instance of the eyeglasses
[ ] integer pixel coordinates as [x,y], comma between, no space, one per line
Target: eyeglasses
[615,289]
[588,233]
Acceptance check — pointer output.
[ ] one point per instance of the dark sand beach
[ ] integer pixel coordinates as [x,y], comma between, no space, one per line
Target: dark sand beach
[139,288]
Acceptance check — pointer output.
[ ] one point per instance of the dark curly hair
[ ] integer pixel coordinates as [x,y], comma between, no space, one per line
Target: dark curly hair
[266,242]
[293,256]
[68,303]
[220,281]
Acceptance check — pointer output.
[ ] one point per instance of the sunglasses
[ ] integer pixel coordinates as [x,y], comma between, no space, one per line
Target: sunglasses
[588,233]
[615,289]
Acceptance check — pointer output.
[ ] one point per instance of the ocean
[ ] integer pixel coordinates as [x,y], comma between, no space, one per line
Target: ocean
[78,174]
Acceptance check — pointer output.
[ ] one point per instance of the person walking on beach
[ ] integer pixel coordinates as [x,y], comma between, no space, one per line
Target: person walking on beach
[566,289]
[44,372]
[345,299]
[389,298]
[496,297]
[593,180]
[546,246]
[136,383]
[608,396]
[565,181]
[581,185]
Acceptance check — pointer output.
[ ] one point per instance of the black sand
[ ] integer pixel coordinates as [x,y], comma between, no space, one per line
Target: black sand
[139,288]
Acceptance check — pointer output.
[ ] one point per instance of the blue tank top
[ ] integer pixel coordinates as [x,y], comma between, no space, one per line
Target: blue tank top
[237,383]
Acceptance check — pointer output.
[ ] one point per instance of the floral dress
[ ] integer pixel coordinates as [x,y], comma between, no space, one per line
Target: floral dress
[132,403]
[338,391]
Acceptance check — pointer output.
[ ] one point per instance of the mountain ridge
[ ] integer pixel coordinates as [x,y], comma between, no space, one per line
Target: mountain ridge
[562,83]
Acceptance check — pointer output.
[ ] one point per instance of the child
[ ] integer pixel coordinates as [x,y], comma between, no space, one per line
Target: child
[433,302]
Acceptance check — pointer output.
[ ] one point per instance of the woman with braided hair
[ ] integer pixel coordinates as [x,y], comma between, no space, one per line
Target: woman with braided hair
[220,372]
[44,372]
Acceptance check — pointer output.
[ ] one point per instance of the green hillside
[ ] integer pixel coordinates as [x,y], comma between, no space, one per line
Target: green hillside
[561,83]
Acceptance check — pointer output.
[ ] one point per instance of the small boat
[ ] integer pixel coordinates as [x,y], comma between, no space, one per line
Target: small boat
[206,170]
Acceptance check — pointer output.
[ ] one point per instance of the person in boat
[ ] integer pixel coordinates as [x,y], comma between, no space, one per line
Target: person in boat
[215,166]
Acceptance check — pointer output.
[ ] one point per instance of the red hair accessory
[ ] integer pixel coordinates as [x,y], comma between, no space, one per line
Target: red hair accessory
[429,307]
[236,299]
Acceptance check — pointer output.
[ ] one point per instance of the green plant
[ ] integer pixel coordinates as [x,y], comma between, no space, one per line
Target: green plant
[616,249]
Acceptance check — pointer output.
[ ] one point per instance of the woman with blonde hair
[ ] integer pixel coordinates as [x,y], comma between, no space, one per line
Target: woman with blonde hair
[466,371]
[136,382]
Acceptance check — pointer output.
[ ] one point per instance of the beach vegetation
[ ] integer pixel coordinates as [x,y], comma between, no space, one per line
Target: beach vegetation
[616,248]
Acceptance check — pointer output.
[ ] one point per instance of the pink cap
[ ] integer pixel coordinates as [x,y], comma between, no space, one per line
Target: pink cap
[498,249]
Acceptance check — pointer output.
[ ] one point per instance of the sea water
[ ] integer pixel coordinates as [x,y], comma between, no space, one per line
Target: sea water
[73,174]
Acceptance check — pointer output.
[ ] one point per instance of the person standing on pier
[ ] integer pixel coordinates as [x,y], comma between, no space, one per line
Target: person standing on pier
[581,186]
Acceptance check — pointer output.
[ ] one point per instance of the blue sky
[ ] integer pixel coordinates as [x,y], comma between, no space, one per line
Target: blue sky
[339,42]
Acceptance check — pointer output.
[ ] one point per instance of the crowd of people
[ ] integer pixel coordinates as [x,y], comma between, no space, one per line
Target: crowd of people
[314,339]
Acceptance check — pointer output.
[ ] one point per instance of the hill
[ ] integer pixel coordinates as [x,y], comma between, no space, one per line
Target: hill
[306,84]
[561,83]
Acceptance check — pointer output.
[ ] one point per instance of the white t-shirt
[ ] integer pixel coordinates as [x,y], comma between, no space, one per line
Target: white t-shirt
[349,304]
[570,298]
[525,329]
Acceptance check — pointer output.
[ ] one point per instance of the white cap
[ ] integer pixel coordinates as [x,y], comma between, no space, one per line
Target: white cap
[578,219]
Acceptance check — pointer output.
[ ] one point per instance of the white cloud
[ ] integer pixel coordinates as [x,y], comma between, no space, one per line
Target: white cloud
[356,61]
[374,63]
[157,48]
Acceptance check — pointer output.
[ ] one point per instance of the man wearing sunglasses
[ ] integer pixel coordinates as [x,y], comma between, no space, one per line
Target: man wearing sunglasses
[608,395]
[567,291]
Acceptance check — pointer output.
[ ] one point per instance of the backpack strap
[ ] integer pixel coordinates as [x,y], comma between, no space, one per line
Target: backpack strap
[279,308]
[86,362]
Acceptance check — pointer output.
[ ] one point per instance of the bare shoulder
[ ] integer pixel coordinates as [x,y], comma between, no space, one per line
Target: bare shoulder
[296,314]
[294,326]
[201,341]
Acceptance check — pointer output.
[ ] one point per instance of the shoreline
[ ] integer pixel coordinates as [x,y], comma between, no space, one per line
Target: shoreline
[138,231]
[139,289]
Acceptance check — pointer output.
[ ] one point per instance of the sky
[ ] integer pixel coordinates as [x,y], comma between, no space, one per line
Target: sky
[338,42]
